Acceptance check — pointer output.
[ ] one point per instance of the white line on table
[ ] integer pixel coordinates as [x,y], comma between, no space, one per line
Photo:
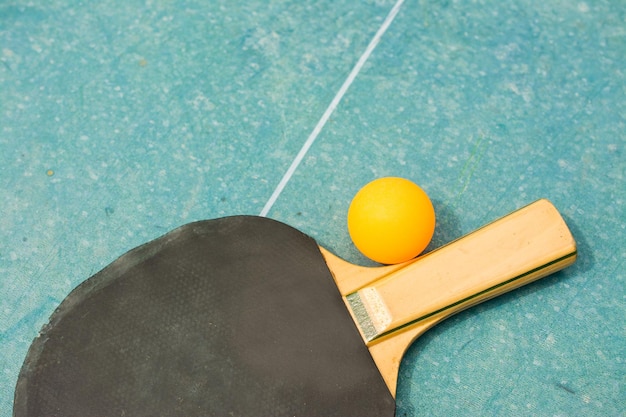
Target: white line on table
[331,108]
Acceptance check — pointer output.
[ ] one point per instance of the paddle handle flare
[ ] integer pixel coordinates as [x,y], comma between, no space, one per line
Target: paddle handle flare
[519,248]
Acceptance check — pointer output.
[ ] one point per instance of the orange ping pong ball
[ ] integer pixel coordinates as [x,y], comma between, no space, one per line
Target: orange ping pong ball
[391,220]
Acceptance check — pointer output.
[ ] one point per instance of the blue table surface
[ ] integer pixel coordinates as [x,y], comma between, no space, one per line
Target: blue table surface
[122,120]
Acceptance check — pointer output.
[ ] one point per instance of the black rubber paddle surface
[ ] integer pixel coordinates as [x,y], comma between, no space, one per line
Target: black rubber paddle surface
[235,316]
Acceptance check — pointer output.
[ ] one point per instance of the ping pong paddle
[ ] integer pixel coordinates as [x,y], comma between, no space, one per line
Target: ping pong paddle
[247,316]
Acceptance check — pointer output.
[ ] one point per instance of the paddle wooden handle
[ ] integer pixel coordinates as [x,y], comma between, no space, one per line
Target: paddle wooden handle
[521,247]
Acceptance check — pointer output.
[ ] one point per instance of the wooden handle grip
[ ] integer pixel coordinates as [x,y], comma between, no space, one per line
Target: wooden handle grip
[510,252]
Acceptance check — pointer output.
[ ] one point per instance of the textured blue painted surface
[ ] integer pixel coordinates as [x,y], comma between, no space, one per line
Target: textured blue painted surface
[122,120]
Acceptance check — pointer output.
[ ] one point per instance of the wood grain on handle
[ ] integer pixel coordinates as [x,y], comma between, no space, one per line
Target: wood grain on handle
[392,311]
